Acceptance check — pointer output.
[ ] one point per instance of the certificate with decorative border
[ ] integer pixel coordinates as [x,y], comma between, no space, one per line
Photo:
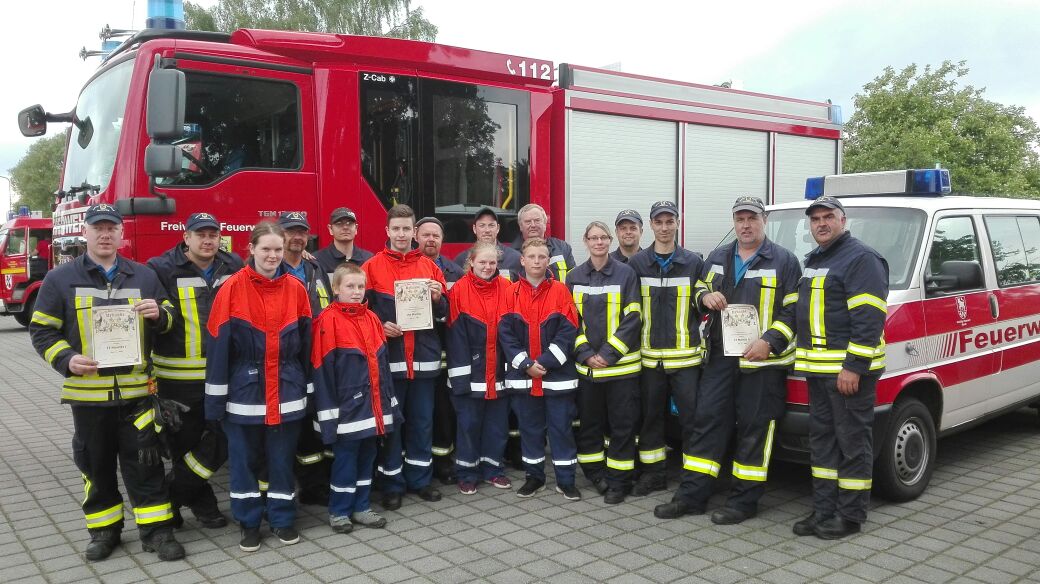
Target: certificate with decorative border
[414,309]
[739,328]
[116,336]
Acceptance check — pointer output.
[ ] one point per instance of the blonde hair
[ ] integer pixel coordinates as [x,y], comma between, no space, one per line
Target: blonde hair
[534,241]
[478,247]
[600,225]
[343,270]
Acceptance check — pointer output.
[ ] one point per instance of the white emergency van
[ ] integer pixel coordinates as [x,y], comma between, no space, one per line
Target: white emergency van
[963,326]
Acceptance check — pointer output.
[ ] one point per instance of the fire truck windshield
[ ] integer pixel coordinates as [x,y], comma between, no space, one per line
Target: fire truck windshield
[895,232]
[103,101]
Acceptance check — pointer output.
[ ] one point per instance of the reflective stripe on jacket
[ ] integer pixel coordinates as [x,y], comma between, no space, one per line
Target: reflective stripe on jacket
[671,321]
[476,362]
[770,284]
[539,326]
[62,326]
[609,307]
[841,310]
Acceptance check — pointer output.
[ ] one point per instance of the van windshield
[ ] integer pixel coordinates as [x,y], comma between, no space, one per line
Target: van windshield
[102,103]
[895,233]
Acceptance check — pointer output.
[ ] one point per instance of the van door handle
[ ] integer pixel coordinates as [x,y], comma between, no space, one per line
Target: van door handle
[994,308]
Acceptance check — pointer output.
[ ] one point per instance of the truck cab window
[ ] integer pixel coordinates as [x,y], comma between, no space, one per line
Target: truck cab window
[389,124]
[237,123]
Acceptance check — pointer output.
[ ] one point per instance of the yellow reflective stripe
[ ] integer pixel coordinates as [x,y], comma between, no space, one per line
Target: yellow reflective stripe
[179,362]
[91,395]
[817,326]
[868,300]
[701,465]
[614,318]
[309,458]
[790,298]
[144,419]
[786,359]
[670,353]
[323,294]
[649,456]
[154,514]
[749,472]
[855,484]
[617,344]
[621,464]
[629,358]
[44,319]
[783,329]
[682,330]
[113,514]
[54,349]
[612,371]
[581,339]
[821,354]
[435,450]
[86,489]
[180,374]
[196,466]
[631,307]
[877,363]
[593,457]
[810,367]
[862,350]
[700,288]
[192,326]
[262,485]
[168,307]
[819,472]
[766,295]
[84,318]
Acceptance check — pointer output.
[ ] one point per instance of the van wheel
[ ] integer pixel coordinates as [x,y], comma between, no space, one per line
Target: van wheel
[25,315]
[907,458]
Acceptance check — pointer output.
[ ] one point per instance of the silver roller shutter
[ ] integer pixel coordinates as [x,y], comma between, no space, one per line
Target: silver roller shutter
[798,158]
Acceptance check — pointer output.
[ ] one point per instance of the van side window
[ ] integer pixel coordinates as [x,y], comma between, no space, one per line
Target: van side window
[953,263]
[1015,242]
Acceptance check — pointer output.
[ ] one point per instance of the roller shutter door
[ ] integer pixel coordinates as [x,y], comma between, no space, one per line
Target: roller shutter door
[616,163]
[798,158]
[721,165]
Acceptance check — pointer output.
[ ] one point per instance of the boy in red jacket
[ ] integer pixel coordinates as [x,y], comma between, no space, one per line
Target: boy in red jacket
[354,393]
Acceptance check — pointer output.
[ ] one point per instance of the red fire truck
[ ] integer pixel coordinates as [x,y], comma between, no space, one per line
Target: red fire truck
[25,257]
[250,124]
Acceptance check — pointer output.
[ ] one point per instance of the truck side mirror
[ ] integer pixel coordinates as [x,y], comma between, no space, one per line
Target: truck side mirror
[32,121]
[162,160]
[166,98]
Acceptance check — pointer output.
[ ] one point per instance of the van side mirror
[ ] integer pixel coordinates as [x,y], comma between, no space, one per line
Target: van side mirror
[162,160]
[955,276]
[166,98]
[32,121]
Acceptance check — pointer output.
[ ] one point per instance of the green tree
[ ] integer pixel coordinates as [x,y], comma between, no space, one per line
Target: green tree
[393,18]
[38,174]
[915,119]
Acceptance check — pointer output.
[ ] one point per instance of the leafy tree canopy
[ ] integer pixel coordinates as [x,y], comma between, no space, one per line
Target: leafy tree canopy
[915,119]
[38,174]
[392,18]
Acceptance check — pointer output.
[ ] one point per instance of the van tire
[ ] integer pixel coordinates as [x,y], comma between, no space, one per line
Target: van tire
[907,457]
[25,315]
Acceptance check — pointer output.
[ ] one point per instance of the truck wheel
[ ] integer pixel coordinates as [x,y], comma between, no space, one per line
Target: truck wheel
[25,315]
[907,458]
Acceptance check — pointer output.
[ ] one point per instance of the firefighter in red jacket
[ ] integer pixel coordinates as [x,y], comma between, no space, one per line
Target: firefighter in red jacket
[112,414]
[537,335]
[354,395]
[475,371]
[415,358]
[257,381]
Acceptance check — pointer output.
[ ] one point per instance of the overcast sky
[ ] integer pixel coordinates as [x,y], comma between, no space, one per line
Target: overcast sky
[810,49]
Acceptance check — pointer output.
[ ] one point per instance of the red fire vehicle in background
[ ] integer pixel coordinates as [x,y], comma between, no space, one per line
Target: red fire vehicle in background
[25,257]
[257,122]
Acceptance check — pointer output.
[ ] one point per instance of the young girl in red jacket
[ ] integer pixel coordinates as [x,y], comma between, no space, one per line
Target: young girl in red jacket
[354,394]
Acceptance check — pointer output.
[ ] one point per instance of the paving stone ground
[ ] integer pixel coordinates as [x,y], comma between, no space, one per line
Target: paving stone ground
[978,522]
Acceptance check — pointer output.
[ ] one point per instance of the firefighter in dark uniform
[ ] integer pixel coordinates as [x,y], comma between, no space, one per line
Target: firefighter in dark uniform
[343,227]
[486,227]
[628,226]
[313,462]
[840,318]
[191,273]
[534,224]
[113,411]
[429,233]
[671,345]
[606,294]
[748,389]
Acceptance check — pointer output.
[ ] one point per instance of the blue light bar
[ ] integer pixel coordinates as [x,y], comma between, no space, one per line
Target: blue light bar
[814,187]
[934,181]
[167,14]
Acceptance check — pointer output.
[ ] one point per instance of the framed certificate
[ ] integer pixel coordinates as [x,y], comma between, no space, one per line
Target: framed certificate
[739,328]
[116,336]
[414,308]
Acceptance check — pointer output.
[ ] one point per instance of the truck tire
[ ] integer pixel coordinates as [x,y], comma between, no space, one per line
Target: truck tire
[907,457]
[25,315]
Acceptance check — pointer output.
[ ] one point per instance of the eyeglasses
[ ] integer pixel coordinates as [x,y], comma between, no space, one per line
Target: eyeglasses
[598,238]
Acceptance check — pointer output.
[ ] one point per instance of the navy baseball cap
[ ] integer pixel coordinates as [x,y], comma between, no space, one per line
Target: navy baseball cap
[198,221]
[102,212]
[628,215]
[664,207]
[749,203]
[291,219]
[485,211]
[342,213]
[825,201]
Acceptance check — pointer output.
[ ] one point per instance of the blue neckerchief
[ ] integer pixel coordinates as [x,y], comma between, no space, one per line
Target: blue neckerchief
[740,267]
[208,273]
[109,274]
[663,263]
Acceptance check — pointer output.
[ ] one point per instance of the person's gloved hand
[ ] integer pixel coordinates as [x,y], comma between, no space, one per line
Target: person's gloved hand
[169,412]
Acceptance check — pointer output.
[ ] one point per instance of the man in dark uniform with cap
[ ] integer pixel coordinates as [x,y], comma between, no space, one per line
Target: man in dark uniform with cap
[628,226]
[486,227]
[343,227]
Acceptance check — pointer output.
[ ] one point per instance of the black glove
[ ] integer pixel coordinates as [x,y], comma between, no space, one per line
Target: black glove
[149,449]
[168,412]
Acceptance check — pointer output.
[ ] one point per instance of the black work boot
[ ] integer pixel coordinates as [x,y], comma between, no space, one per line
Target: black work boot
[102,544]
[648,483]
[164,544]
